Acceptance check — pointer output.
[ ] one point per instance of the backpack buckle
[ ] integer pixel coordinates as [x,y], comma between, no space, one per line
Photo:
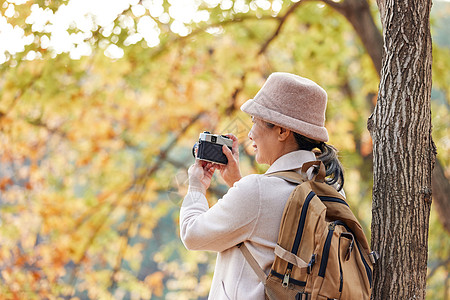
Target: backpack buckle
[311,264]
[374,257]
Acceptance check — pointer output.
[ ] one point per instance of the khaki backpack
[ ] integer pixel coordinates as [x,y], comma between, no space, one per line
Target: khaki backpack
[321,252]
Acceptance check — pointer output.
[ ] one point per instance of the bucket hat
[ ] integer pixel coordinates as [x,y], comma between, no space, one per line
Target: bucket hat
[293,102]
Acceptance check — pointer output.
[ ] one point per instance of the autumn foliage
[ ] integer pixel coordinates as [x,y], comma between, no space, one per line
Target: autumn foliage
[94,149]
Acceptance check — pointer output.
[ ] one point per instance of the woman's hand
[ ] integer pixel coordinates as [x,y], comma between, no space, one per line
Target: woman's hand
[200,174]
[231,172]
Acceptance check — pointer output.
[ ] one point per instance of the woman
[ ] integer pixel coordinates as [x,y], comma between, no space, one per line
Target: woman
[288,115]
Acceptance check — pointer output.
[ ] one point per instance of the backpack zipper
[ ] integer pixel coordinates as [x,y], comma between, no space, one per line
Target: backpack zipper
[368,270]
[286,278]
[341,280]
[291,280]
[326,249]
[298,235]
[301,222]
[332,199]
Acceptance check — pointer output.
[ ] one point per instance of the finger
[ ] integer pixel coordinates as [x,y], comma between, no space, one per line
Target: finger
[210,167]
[234,138]
[216,166]
[227,152]
[235,145]
[193,169]
[231,136]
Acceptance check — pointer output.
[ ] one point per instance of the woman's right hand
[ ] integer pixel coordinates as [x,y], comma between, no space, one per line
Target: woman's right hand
[200,175]
[231,172]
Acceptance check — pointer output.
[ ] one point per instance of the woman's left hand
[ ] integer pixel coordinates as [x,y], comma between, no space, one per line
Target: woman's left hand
[200,175]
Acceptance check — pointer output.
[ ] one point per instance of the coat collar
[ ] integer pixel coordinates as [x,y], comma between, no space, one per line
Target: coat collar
[291,161]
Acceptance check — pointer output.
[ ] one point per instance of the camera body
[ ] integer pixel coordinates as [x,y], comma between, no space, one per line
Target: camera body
[209,147]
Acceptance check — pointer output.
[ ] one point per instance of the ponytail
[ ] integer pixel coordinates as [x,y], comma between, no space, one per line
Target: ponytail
[328,155]
[333,166]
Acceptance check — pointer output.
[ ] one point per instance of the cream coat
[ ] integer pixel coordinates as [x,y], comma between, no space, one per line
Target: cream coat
[249,212]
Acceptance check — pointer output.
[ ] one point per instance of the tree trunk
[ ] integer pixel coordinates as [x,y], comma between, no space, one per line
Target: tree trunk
[404,152]
[357,12]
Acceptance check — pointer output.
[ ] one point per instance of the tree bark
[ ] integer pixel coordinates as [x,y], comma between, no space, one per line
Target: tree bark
[357,12]
[404,152]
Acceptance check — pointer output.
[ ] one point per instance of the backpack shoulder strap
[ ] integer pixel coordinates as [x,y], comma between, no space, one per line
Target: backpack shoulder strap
[252,262]
[280,252]
[289,176]
[296,178]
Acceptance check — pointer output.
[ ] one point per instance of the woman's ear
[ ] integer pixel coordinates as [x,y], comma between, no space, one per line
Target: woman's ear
[283,134]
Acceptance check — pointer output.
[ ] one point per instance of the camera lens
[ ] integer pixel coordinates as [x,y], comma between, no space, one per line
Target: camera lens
[213,139]
[194,150]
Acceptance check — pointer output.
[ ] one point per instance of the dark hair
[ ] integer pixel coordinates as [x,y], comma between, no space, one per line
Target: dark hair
[328,155]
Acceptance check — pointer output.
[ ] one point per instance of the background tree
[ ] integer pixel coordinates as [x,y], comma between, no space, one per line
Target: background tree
[404,152]
[357,12]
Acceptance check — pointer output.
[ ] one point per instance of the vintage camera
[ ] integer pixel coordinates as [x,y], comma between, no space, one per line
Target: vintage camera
[209,147]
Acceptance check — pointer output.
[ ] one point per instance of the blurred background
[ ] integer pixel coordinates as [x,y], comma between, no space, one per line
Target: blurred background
[101,102]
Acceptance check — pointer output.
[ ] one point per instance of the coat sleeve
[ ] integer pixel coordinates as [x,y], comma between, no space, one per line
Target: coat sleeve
[230,221]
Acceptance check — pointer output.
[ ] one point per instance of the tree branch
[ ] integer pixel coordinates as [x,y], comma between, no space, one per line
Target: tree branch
[232,107]
[282,20]
[357,13]
[85,248]
[132,210]
[442,263]
[19,94]
[441,192]
[149,172]
[162,47]
[336,5]
[227,22]
[141,183]
[140,178]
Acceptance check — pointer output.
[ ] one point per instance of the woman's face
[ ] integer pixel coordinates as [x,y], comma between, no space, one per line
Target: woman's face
[264,141]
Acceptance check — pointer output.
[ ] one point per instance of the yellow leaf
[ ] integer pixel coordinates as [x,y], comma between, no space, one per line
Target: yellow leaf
[155,282]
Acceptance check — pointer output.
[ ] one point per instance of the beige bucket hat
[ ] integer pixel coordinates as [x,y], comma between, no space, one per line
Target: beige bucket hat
[292,102]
